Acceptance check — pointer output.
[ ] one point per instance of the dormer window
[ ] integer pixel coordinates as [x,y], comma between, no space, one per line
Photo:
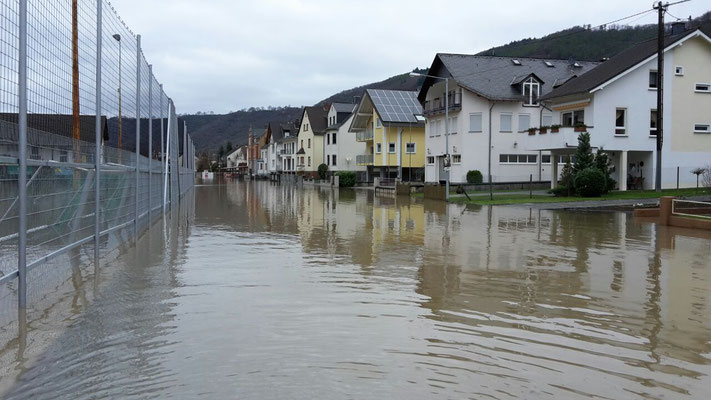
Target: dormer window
[516,62]
[531,91]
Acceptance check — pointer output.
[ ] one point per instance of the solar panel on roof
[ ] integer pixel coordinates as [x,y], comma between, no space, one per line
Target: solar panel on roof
[396,106]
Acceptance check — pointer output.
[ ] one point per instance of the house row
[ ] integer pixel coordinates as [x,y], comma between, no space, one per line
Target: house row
[511,118]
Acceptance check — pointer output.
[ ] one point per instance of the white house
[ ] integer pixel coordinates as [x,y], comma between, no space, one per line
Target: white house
[237,159]
[282,146]
[493,101]
[340,147]
[617,101]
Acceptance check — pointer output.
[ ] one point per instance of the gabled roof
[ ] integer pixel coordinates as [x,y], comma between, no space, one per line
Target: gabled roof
[394,107]
[491,76]
[622,62]
[342,116]
[318,118]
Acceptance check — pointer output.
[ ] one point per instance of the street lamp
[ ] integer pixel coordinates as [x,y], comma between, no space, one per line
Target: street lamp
[447,163]
[117,37]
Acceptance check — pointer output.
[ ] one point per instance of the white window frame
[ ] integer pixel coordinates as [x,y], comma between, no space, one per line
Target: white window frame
[548,117]
[706,130]
[453,122]
[414,148]
[334,160]
[455,157]
[393,146]
[649,83]
[519,122]
[650,124]
[430,160]
[501,119]
[624,127]
[679,70]
[378,148]
[531,83]
[706,87]
[518,162]
[481,122]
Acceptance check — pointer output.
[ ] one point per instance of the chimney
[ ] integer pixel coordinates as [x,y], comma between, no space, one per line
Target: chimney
[678,27]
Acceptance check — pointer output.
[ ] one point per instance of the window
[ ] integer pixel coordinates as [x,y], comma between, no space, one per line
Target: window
[702,128]
[620,121]
[518,158]
[63,156]
[524,122]
[679,71]
[302,143]
[475,122]
[410,148]
[546,120]
[702,88]
[430,160]
[333,138]
[309,161]
[309,143]
[505,122]
[378,124]
[453,125]
[35,153]
[333,160]
[531,91]
[571,118]
[438,127]
[328,159]
[328,138]
[378,148]
[653,123]
[546,159]
[306,127]
[391,147]
[653,79]
[456,158]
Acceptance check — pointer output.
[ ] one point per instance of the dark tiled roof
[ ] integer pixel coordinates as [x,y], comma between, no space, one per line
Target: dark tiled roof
[301,151]
[343,107]
[492,77]
[317,118]
[616,65]
[277,132]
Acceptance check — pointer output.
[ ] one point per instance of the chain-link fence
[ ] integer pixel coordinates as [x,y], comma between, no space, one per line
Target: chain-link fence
[90,144]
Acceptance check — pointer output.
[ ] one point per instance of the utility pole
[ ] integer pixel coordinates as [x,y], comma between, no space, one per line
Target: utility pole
[75,79]
[661,8]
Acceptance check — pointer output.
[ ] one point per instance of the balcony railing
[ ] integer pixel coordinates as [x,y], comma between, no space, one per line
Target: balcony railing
[436,105]
[283,152]
[364,136]
[364,159]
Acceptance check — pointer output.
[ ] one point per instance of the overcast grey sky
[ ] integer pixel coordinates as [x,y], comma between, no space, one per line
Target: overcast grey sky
[223,55]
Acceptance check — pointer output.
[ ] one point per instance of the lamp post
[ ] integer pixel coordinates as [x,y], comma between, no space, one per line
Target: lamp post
[117,37]
[447,163]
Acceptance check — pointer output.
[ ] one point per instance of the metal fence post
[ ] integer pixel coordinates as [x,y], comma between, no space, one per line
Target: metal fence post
[150,142]
[677,178]
[138,129]
[162,149]
[22,159]
[97,137]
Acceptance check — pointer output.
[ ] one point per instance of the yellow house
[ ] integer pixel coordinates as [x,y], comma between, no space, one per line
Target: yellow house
[391,124]
[310,141]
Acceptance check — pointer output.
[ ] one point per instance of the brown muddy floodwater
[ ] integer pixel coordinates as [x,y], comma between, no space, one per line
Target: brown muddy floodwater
[276,292]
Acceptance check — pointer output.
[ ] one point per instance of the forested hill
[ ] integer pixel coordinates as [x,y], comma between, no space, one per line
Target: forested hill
[584,43]
[397,82]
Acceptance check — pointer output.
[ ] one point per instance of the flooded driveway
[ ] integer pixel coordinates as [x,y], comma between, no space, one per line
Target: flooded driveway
[272,291]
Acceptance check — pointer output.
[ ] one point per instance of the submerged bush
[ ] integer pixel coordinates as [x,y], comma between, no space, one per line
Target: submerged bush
[322,169]
[590,182]
[346,178]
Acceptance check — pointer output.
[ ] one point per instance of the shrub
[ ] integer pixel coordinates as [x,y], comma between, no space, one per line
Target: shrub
[322,169]
[474,176]
[560,191]
[567,180]
[706,177]
[346,178]
[602,162]
[590,182]
[584,157]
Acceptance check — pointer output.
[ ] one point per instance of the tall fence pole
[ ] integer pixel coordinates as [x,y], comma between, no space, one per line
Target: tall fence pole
[22,159]
[97,137]
[138,129]
[167,157]
[150,142]
[162,149]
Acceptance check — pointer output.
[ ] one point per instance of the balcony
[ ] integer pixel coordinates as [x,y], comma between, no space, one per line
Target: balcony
[283,152]
[436,105]
[364,136]
[565,138]
[364,159]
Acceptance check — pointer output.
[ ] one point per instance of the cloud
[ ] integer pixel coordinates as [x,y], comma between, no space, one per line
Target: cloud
[224,55]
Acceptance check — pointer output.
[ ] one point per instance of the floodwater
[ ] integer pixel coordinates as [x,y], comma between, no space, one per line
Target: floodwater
[267,292]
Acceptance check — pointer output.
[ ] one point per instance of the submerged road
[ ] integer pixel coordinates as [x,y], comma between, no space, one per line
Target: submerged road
[255,290]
